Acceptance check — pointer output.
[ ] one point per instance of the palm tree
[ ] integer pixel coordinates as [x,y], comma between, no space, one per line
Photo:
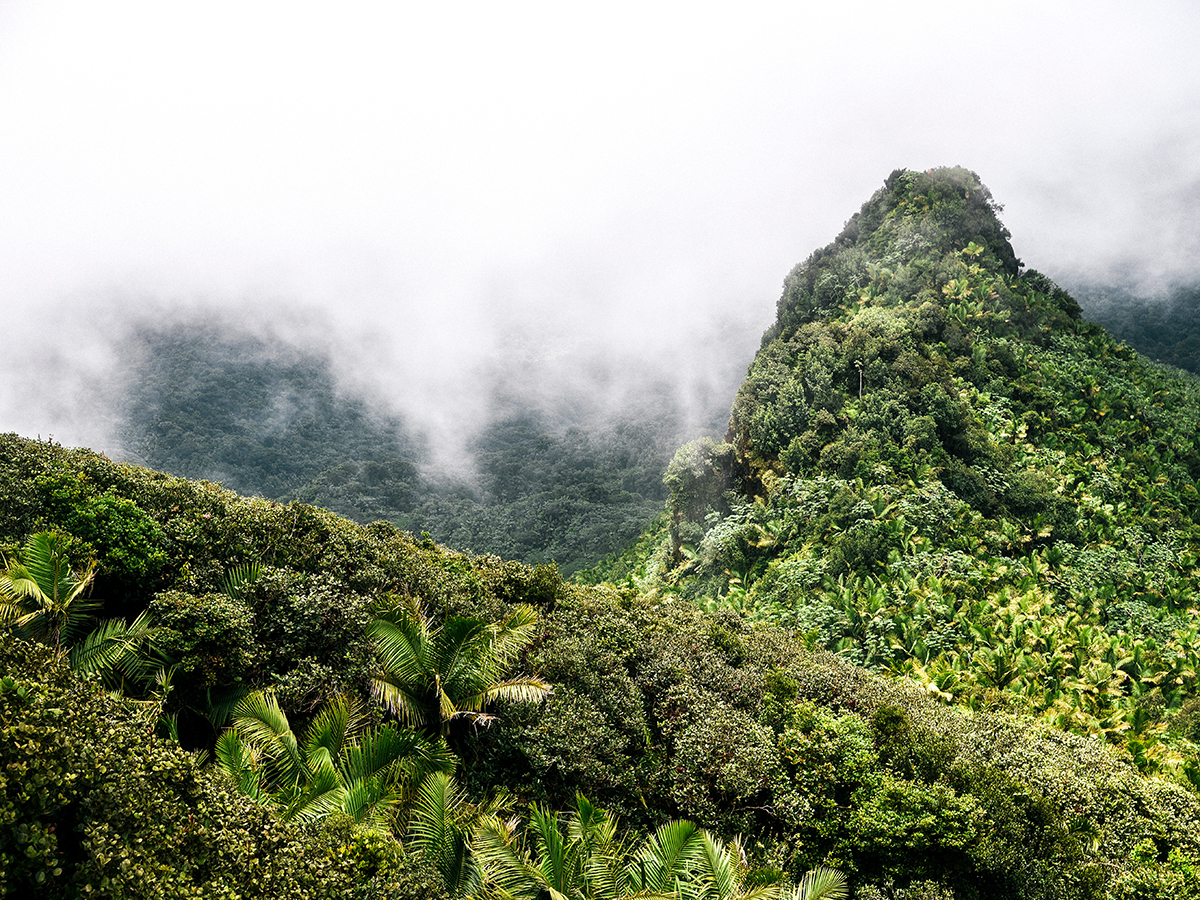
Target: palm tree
[41,597]
[587,861]
[337,765]
[438,831]
[435,675]
[821,883]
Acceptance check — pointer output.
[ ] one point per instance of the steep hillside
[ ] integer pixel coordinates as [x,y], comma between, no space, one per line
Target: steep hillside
[936,467]
[658,711]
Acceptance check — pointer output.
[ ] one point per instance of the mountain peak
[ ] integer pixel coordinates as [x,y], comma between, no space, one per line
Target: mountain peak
[915,221]
[882,334]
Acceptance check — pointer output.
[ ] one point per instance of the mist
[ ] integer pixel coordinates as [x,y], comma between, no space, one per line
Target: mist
[471,209]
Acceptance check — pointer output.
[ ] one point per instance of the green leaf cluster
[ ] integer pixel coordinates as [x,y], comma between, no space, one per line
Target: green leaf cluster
[91,803]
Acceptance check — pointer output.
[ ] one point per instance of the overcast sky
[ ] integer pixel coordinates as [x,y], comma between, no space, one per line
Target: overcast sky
[428,186]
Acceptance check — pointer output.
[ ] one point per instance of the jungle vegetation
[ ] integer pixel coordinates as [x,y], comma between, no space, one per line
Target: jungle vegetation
[922,626]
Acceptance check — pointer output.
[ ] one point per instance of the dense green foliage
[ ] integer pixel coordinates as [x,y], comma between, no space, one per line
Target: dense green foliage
[660,711]
[943,637]
[92,804]
[941,469]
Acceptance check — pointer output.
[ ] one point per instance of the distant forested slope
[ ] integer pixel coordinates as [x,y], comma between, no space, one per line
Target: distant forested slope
[259,416]
[567,481]
[545,494]
[1164,326]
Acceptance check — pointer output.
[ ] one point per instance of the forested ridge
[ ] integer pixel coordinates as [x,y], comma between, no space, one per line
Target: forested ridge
[922,626]
[556,484]
[937,467]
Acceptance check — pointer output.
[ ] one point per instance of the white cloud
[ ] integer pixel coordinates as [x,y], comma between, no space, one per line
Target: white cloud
[424,174]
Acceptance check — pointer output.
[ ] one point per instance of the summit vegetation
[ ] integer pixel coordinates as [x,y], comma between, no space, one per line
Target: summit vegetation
[922,626]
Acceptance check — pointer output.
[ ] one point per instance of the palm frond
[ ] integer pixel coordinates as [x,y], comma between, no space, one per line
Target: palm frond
[401,635]
[667,856]
[433,674]
[460,656]
[715,874]
[220,704]
[77,619]
[504,865]
[560,862]
[49,593]
[369,802]
[762,892]
[117,650]
[240,762]
[514,634]
[447,708]
[261,722]
[320,796]
[458,870]
[102,649]
[238,579]
[591,826]
[432,817]
[822,883]
[334,726]
[522,689]
[603,855]
[400,699]
[434,832]
[14,610]
[386,753]
[401,639]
